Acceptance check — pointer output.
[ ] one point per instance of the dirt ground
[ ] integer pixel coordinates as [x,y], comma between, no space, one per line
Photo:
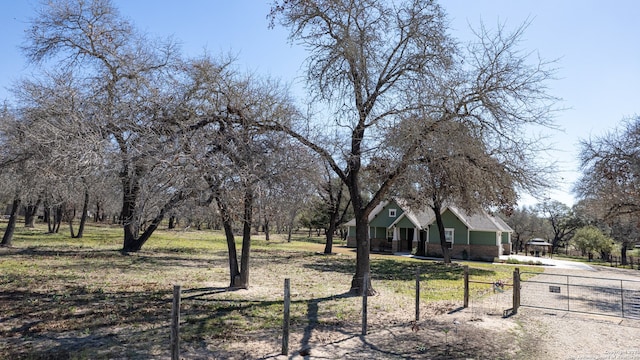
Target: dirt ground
[477,332]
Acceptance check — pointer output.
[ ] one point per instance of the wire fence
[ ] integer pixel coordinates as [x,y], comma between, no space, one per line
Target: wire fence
[500,297]
[592,295]
[371,313]
[491,299]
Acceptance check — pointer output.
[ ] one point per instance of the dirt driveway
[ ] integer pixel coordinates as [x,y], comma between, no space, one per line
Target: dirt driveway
[569,335]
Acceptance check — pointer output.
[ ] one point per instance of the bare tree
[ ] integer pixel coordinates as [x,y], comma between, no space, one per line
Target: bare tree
[70,144]
[9,157]
[229,153]
[378,63]
[334,205]
[131,101]
[610,180]
[455,167]
[526,225]
[21,162]
[611,168]
[563,221]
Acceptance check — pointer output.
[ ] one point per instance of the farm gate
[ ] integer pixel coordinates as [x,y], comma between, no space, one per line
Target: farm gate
[591,295]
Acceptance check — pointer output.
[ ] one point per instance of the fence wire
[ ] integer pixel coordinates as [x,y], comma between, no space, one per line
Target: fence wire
[603,296]
[490,299]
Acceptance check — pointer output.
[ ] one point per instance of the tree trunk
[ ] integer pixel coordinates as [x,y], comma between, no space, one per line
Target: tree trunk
[73,236]
[30,213]
[96,216]
[49,218]
[135,244]
[363,269]
[446,257]
[231,242]
[127,214]
[333,221]
[57,219]
[266,229]
[7,238]
[328,246]
[623,253]
[363,248]
[84,215]
[246,238]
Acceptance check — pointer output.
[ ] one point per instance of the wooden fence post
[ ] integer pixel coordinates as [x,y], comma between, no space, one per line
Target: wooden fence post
[417,295]
[516,290]
[175,323]
[285,321]
[364,304]
[466,286]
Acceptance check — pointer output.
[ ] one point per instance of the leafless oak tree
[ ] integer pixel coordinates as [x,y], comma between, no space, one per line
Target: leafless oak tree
[132,103]
[610,179]
[234,158]
[379,63]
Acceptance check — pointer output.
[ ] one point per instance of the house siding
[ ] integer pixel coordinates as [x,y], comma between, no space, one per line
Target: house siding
[506,243]
[383,219]
[450,221]
[377,233]
[351,231]
[482,238]
[405,223]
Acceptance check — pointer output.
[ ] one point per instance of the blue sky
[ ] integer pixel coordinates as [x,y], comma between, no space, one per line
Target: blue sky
[597,45]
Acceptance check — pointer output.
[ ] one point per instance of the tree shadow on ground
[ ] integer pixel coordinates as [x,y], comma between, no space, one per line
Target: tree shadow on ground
[390,269]
[313,319]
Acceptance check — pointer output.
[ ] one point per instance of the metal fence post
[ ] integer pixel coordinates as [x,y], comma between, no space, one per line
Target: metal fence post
[417,294]
[175,323]
[285,321]
[622,296]
[516,290]
[466,286]
[568,295]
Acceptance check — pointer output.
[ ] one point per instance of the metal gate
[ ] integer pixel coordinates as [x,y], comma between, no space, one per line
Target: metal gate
[591,295]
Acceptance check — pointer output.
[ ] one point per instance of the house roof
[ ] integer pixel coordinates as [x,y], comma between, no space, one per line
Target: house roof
[480,221]
[539,242]
[418,219]
[373,213]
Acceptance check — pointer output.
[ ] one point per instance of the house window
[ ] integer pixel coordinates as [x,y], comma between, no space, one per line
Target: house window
[392,213]
[448,237]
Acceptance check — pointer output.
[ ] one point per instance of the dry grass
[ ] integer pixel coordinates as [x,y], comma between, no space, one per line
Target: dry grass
[82,299]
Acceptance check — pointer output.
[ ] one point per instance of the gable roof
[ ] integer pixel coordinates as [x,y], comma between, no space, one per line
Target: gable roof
[417,219]
[372,214]
[480,221]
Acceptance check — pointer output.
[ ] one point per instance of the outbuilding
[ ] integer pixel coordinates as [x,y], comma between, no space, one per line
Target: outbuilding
[538,247]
